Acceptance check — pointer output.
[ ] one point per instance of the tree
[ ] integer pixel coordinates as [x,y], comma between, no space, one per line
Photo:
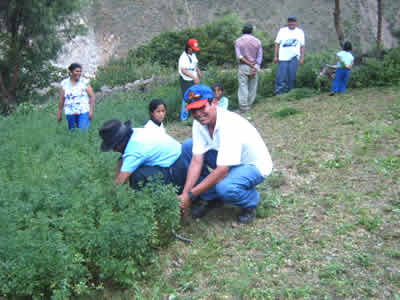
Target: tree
[338,26]
[379,27]
[32,33]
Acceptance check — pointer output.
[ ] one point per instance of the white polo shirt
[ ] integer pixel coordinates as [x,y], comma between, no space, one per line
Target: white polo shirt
[236,140]
[189,62]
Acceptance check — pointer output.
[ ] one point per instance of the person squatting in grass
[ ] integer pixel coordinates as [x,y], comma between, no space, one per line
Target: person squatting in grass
[157,111]
[345,62]
[77,99]
[227,143]
[146,154]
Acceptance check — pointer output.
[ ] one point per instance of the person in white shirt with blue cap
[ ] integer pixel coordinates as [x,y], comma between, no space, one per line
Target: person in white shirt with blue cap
[227,143]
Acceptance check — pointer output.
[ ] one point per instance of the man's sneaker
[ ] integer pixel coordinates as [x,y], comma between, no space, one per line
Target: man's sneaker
[246,215]
[205,207]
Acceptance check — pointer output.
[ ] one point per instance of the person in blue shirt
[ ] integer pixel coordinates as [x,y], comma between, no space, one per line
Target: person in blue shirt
[345,63]
[146,154]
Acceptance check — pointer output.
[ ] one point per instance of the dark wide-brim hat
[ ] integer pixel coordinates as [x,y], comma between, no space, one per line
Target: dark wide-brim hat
[113,132]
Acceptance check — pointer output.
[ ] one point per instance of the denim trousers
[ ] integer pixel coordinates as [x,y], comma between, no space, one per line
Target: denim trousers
[340,82]
[80,121]
[285,75]
[237,188]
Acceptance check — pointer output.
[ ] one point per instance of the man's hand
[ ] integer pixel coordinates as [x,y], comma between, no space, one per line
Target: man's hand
[59,116]
[301,61]
[185,203]
[90,115]
[275,60]
[196,80]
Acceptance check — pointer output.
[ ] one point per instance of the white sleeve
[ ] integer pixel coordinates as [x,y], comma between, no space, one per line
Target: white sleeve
[199,142]
[183,62]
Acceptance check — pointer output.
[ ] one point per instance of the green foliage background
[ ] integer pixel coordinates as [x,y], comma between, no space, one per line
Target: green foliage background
[161,54]
[66,228]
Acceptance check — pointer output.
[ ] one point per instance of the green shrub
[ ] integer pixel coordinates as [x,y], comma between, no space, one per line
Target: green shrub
[377,71]
[66,228]
[285,112]
[161,54]
[216,41]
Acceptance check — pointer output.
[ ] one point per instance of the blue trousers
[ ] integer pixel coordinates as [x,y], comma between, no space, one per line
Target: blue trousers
[237,188]
[340,82]
[80,121]
[286,75]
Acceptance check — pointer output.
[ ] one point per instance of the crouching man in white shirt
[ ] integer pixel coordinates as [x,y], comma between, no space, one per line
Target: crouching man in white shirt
[232,147]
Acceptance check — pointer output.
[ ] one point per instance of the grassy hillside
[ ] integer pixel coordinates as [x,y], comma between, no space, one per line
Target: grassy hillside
[328,225]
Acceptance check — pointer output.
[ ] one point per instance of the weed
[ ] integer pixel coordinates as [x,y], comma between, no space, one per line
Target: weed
[285,112]
[371,223]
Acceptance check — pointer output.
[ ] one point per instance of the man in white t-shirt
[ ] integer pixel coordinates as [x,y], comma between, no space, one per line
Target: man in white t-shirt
[232,147]
[289,52]
[189,72]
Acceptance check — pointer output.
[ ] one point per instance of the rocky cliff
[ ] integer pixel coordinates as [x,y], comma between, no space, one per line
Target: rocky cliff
[115,26]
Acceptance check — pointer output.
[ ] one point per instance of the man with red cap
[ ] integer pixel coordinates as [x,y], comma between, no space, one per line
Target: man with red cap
[189,72]
[227,143]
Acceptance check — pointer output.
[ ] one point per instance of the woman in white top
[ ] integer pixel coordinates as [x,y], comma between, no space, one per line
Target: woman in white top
[157,111]
[76,98]
[188,70]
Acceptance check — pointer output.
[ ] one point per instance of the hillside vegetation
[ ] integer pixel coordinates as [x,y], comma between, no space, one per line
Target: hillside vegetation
[328,223]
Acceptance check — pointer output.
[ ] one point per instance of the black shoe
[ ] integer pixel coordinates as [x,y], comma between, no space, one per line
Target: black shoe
[332,94]
[246,215]
[205,207]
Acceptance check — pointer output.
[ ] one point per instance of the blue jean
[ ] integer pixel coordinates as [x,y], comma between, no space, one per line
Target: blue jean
[285,75]
[237,188]
[80,121]
[340,82]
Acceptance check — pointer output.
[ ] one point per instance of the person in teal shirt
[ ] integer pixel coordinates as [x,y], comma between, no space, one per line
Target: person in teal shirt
[146,154]
[345,62]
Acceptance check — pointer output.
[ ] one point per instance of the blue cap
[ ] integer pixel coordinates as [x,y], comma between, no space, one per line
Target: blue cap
[197,96]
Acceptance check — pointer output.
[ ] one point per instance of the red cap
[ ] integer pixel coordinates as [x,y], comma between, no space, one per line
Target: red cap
[194,44]
[196,104]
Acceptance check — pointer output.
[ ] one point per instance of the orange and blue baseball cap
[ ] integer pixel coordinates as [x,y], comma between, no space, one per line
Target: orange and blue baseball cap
[197,96]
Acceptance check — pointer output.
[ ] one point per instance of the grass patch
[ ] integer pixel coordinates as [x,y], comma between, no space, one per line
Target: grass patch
[285,112]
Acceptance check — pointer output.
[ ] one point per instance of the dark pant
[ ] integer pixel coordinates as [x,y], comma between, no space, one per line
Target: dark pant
[184,86]
[175,174]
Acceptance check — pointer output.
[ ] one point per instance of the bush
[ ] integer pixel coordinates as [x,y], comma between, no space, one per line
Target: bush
[66,229]
[161,54]
[377,71]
